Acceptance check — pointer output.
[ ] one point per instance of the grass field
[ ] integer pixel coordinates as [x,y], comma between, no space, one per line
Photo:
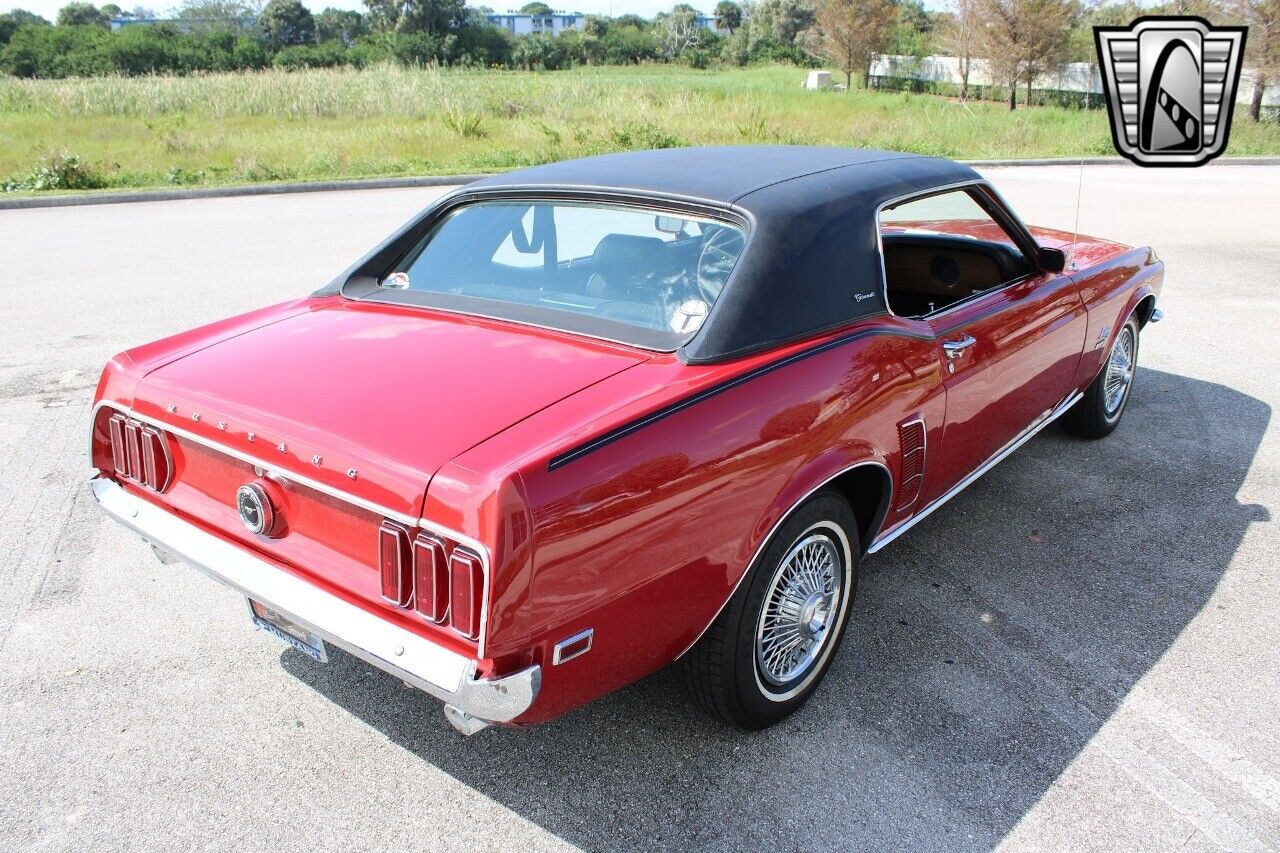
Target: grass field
[324,124]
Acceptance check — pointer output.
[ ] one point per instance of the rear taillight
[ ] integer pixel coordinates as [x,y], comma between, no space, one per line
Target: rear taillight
[395,564]
[140,453]
[442,581]
[431,578]
[466,580]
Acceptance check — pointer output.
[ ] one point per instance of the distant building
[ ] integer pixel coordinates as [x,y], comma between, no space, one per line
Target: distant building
[552,24]
[707,22]
[184,25]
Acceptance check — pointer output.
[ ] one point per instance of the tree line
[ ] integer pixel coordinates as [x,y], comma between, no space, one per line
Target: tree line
[1017,41]
[233,35]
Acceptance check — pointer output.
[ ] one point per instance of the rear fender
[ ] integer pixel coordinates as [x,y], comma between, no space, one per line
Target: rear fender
[811,478]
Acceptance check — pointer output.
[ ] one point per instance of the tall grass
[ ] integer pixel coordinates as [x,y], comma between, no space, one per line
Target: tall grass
[389,120]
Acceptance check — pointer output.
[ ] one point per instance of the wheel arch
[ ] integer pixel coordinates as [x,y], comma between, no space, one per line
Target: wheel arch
[1145,308]
[1141,304]
[852,479]
[868,487]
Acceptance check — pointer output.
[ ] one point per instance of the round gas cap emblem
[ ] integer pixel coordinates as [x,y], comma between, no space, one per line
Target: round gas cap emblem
[255,508]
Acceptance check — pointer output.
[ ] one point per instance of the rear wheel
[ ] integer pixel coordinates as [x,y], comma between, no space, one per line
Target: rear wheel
[771,645]
[1096,414]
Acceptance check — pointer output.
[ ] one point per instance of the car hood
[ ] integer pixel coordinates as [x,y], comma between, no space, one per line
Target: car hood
[372,399]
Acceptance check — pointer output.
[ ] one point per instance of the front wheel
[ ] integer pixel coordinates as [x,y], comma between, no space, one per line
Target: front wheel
[1096,414]
[771,645]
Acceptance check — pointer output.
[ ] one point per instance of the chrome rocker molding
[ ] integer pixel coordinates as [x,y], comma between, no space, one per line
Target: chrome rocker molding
[1022,438]
[471,703]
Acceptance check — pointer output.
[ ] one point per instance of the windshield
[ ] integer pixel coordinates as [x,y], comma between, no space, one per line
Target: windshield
[575,263]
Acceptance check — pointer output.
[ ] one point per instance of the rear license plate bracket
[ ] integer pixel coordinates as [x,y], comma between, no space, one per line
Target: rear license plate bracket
[286,630]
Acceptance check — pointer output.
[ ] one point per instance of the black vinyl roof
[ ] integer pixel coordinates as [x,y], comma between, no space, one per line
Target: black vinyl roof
[722,174]
[812,259]
[812,262]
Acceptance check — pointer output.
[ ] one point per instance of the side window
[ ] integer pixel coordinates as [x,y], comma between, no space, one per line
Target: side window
[943,249]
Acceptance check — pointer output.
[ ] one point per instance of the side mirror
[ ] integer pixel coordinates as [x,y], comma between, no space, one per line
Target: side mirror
[1052,260]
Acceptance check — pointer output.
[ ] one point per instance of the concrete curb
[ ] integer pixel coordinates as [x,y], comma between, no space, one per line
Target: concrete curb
[454,180]
[225,192]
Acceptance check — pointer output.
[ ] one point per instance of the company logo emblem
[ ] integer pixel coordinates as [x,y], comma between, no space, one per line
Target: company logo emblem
[1171,87]
[254,506]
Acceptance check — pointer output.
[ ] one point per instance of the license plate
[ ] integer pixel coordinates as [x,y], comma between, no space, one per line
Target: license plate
[274,622]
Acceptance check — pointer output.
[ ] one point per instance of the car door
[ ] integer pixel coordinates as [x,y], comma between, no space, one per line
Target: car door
[1011,358]
[1009,334]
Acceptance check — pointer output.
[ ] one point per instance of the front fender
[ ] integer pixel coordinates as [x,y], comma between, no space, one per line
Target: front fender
[1111,293]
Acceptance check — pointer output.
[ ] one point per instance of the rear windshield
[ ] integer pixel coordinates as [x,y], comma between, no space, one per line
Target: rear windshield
[634,274]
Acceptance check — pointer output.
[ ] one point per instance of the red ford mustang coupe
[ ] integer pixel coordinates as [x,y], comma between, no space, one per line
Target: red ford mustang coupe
[576,422]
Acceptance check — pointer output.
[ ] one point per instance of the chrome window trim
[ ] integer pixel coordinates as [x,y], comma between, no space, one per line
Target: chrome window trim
[1023,233]
[272,468]
[1019,440]
[764,542]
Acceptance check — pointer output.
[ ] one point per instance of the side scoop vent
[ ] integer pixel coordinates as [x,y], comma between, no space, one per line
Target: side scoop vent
[911,439]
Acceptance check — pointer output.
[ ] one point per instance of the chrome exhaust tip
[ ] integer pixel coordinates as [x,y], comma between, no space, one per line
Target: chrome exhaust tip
[465,723]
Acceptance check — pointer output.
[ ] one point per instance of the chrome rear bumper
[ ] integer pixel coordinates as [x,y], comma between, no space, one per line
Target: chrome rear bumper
[471,702]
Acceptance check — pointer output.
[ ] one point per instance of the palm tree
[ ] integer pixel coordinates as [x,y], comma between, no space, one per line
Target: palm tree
[728,16]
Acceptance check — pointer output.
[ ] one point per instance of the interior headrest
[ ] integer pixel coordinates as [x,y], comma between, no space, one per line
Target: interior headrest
[629,254]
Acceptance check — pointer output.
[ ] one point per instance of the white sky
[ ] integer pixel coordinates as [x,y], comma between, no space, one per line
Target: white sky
[648,8]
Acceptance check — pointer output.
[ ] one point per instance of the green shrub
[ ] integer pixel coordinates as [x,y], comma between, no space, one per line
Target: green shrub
[644,135]
[483,46]
[697,57]
[183,176]
[58,172]
[329,54]
[539,52]
[466,124]
[629,45]
[54,52]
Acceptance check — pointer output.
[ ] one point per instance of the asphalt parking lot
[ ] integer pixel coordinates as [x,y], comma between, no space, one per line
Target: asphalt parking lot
[1082,651]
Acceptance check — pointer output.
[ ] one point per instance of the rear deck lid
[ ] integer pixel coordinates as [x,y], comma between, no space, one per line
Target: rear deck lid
[372,399]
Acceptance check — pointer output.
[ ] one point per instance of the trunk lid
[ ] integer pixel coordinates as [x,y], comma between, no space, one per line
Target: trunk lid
[388,392]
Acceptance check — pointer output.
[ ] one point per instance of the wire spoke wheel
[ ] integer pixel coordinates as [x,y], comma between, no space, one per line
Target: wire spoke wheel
[775,638]
[800,610]
[1119,372]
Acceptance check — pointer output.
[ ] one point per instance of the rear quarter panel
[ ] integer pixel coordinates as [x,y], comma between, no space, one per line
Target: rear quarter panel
[645,538]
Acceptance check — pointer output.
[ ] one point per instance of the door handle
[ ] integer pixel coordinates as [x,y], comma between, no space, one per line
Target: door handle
[957,348]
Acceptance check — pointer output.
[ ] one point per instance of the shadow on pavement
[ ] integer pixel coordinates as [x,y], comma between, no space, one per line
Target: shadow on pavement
[985,650]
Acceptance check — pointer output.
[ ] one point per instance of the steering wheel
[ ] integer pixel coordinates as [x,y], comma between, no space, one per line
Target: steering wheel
[716,260]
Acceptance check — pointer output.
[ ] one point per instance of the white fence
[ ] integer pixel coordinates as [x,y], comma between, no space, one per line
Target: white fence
[1073,77]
